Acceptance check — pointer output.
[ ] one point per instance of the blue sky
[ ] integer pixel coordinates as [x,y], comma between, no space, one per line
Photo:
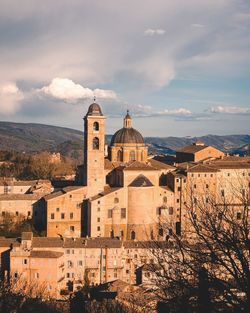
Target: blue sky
[182,68]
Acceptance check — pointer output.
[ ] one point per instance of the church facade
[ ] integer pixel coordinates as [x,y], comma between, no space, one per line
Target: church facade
[122,195]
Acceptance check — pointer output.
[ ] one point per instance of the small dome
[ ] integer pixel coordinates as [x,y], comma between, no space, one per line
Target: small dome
[95,110]
[127,135]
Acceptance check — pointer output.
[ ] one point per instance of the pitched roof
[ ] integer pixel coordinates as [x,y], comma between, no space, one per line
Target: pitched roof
[141,181]
[7,242]
[160,165]
[191,148]
[63,191]
[201,168]
[105,192]
[46,254]
[19,197]
[136,165]
[46,242]
[145,244]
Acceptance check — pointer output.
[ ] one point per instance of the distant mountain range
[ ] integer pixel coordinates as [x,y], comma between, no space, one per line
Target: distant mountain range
[69,142]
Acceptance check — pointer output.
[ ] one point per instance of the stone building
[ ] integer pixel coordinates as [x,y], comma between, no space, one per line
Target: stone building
[56,266]
[20,200]
[123,193]
[197,152]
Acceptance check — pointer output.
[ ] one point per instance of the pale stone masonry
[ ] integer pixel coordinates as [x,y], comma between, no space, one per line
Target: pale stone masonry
[51,264]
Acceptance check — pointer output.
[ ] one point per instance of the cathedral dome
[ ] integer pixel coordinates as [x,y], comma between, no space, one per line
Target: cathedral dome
[95,110]
[127,135]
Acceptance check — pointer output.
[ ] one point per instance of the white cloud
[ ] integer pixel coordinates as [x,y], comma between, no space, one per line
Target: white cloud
[198,25]
[10,97]
[230,110]
[180,111]
[147,110]
[66,89]
[152,32]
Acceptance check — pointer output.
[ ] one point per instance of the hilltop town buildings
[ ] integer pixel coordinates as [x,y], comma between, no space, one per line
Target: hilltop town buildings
[105,224]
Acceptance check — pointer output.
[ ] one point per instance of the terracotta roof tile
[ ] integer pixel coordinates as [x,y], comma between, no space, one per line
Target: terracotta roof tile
[19,197]
[160,165]
[136,165]
[47,242]
[45,254]
[191,149]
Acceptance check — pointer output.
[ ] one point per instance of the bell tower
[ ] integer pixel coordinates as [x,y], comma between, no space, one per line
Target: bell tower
[94,146]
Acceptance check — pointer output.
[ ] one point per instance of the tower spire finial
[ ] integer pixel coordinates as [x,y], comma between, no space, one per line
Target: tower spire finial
[94,98]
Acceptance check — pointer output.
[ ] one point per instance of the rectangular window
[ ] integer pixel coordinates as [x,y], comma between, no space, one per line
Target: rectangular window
[52,216]
[98,209]
[98,228]
[171,210]
[67,251]
[238,216]
[68,275]
[62,216]
[57,209]
[3,213]
[25,261]
[72,228]
[110,211]
[71,215]
[17,213]
[80,263]
[123,212]
[222,193]
[179,188]
[177,200]
[207,186]
[194,186]
[36,275]
[98,219]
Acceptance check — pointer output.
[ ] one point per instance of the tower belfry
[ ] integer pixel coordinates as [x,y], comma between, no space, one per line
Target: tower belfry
[94,146]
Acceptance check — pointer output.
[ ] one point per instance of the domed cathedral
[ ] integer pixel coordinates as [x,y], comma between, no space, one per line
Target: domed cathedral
[124,191]
[127,144]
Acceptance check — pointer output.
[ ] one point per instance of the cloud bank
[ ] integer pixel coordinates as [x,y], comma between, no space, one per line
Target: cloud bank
[66,89]
[230,110]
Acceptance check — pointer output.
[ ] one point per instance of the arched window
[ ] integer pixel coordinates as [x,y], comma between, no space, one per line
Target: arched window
[95,143]
[96,126]
[119,155]
[132,155]
[132,235]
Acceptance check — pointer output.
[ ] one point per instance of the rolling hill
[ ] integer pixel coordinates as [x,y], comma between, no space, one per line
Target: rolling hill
[31,137]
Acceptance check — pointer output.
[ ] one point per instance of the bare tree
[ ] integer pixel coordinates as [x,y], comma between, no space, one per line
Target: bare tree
[207,268]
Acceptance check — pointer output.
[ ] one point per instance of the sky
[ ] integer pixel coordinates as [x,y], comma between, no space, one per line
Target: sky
[182,68]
